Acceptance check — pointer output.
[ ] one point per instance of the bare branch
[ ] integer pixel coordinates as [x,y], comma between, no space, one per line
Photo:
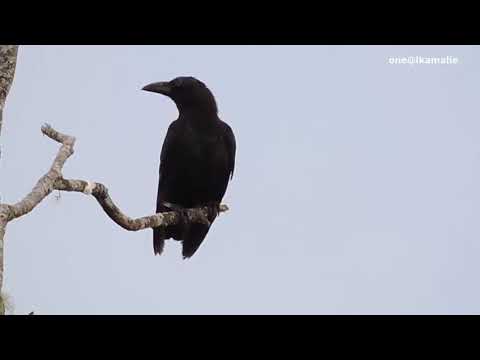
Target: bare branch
[53,180]
[100,192]
[44,186]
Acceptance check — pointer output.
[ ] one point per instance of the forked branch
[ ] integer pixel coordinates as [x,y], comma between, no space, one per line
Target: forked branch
[53,180]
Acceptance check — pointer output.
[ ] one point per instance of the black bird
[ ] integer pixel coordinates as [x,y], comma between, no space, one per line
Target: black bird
[196,161]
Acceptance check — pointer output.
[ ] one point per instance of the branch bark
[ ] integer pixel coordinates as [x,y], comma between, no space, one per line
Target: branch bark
[53,180]
[8,62]
[100,192]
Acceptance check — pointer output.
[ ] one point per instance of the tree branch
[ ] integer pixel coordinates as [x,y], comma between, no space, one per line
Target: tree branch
[100,192]
[53,180]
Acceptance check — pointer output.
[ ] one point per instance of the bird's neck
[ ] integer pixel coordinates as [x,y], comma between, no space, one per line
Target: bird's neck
[198,113]
[202,105]
[201,121]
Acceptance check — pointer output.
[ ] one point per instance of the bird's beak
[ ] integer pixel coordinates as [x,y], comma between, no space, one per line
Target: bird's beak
[159,87]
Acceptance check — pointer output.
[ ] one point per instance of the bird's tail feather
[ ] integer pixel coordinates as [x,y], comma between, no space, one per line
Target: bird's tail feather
[194,234]
[160,234]
[193,238]
[158,240]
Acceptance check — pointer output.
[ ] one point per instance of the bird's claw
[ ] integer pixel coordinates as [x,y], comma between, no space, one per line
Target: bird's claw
[183,216]
[213,209]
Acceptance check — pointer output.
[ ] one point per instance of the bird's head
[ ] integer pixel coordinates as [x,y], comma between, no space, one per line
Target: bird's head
[187,92]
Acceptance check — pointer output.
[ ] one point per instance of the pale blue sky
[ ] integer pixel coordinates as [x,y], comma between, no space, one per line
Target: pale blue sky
[356,189]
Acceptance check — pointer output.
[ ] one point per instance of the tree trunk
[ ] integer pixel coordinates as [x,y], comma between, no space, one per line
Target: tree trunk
[8,62]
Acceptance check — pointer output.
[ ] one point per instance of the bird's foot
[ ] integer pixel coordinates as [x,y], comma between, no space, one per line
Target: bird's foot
[213,209]
[183,216]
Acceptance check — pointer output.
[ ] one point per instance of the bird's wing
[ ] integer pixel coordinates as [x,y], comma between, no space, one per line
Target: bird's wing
[168,147]
[229,138]
[165,182]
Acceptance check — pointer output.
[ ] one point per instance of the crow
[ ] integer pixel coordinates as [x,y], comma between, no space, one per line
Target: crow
[197,161]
